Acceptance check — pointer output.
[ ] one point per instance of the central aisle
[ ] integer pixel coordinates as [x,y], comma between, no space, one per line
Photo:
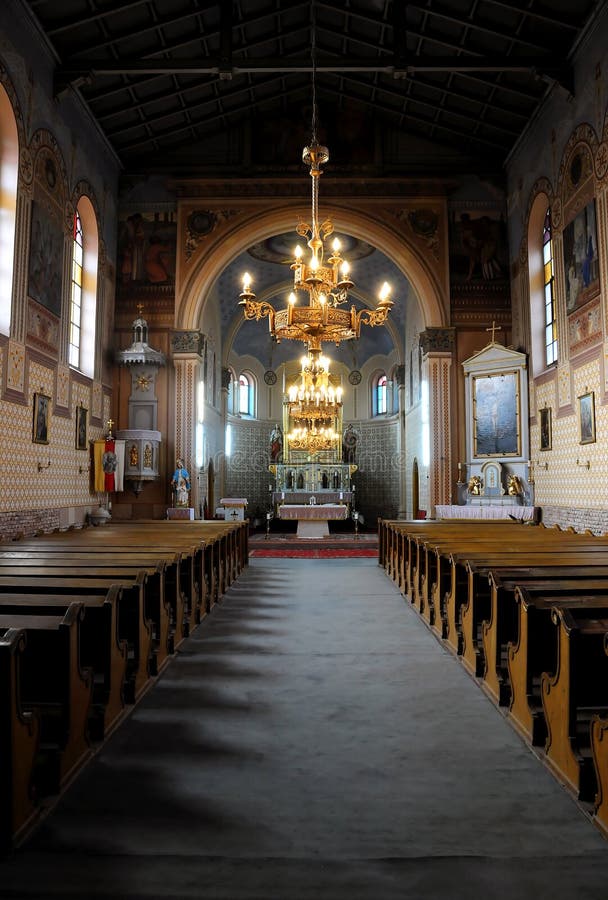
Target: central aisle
[313,740]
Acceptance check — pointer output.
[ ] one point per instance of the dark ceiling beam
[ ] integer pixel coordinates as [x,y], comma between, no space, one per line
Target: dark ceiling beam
[472,24]
[255,21]
[73,22]
[225,37]
[75,70]
[532,12]
[464,135]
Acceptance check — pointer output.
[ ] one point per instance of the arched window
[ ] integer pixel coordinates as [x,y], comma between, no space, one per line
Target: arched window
[231,404]
[246,395]
[9,170]
[542,322]
[76,294]
[548,277]
[380,395]
[83,297]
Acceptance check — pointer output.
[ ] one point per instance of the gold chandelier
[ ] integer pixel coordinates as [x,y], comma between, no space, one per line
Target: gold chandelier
[314,398]
[325,282]
[312,439]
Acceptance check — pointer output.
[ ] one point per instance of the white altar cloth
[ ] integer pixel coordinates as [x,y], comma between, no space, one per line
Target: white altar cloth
[525,513]
[312,518]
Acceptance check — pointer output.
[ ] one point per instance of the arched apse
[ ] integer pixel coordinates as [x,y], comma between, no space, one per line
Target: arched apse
[219,253]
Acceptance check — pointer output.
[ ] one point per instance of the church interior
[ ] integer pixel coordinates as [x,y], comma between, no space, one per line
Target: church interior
[304,270]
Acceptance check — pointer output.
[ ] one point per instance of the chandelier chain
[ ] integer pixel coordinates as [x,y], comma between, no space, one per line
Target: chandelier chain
[313,57]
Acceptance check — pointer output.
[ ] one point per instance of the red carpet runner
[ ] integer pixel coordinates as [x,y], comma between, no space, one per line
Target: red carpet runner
[313,552]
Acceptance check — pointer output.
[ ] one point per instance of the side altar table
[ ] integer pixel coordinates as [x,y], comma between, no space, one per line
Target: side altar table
[487,511]
[313,518]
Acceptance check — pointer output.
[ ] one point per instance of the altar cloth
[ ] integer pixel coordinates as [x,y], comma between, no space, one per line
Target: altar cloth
[525,513]
[311,511]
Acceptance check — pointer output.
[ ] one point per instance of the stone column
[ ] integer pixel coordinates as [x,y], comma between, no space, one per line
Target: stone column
[226,377]
[186,352]
[23,227]
[437,348]
[399,387]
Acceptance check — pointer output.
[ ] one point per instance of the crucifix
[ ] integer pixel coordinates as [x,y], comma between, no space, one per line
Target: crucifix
[493,329]
[110,423]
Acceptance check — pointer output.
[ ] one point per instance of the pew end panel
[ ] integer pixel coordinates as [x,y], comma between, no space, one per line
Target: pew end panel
[19,744]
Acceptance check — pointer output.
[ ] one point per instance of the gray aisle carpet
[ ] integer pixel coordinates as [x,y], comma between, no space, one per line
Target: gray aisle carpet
[313,740]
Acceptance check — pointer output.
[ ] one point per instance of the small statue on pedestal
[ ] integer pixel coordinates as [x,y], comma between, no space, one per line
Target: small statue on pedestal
[181,485]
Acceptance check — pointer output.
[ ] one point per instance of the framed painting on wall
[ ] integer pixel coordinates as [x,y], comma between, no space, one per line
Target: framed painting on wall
[46,260]
[581,263]
[546,437]
[586,418]
[40,428]
[496,403]
[81,428]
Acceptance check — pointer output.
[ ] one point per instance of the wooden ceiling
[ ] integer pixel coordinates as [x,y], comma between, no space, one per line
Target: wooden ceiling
[187,85]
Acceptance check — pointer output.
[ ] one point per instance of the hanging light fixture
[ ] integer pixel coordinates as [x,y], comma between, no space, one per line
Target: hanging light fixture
[314,398]
[322,277]
[313,406]
[312,439]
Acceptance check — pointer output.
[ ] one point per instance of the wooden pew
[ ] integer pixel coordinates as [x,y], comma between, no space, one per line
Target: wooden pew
[599,749]
[535,648]
[57,690]
[19,741]
[477,607]
[133,626]
[165,601]
[101,648]
[576,693]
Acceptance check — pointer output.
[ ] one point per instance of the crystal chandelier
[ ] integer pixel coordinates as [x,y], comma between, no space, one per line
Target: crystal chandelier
[322,278]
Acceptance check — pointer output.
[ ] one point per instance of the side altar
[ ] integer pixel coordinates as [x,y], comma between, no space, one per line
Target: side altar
[497,476]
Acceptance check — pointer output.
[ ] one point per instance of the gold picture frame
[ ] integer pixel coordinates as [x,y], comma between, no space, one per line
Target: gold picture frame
[496,415]
[40,424]
[586,418]
[81,428]
[546,429]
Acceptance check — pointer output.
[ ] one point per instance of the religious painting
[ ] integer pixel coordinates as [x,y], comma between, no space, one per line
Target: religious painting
[496,402]
[146,249]
[586,418]
[81,428]
[478,247]
[545,428]
[46,260]
[40,429]
[580,258]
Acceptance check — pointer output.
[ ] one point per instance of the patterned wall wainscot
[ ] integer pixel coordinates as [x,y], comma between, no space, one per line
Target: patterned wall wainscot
[63,387]
[15,376]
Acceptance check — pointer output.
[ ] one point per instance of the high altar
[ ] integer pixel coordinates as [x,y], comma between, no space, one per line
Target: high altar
[313,484]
